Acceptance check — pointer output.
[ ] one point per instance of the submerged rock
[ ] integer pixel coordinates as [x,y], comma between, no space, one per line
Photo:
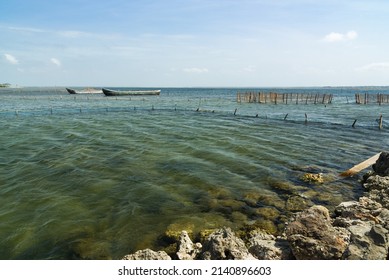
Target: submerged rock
[174,230]
[313,178]
[297,203]
[267,226]
[270,213]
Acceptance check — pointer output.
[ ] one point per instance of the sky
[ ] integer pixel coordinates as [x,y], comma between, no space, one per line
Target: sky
[194,43]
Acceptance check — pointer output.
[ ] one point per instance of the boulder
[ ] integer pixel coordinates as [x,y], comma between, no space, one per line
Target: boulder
[147,254]
[367,242]
[223,244]
[313,237]
[381,167]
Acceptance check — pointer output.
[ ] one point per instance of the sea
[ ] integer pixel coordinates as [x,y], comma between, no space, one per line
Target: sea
[87,176]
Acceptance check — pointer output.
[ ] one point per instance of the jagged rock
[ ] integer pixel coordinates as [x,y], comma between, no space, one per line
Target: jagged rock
[378,188]
[384,218]
[367,242]
[354,212]
[312,236]
[186,249]
[224,245]
[147,254]
[368,237]
[267,247]
[381,167]
[379,235]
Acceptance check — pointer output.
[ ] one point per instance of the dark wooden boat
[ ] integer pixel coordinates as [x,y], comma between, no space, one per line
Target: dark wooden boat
[110,92]
[71,91]
[87,90]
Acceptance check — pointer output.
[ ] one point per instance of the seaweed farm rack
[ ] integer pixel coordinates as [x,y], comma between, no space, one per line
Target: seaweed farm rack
[307,98]
[367,98]
[285,98]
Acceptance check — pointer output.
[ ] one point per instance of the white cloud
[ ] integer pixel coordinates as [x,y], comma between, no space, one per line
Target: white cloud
[333,37]
[338,37]
[75,34]
[196,70]
[26,29]
[55,61]
[11,59]
[72,34]
[249,68]
[351,35]
[376,66]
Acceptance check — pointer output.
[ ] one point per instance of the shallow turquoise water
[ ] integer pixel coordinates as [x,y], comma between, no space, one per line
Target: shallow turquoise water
[93,177]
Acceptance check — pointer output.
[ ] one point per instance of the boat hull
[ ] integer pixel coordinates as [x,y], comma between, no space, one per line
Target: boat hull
[71,91]
[109,92]
[88,91]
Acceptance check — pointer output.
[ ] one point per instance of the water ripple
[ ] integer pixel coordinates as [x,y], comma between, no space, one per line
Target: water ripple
[111,179]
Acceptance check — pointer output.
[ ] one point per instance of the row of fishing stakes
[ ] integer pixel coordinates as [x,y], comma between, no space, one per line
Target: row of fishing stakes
[379,120]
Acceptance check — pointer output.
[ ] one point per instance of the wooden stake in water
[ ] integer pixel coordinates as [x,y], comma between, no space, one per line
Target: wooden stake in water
[380,122]
[359,167]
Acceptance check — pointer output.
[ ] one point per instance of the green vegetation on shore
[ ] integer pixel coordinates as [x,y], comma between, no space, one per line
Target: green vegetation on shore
[5,85]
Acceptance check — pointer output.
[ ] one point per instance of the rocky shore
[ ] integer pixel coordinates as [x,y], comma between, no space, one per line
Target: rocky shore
[356,230]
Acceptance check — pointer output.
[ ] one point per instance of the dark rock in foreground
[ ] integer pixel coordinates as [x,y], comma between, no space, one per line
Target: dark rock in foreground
[381,167]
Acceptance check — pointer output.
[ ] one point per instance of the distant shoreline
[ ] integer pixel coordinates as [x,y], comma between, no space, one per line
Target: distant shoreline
[360,87]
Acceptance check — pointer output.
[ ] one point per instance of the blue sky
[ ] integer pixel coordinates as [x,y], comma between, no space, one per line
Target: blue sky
[178,43]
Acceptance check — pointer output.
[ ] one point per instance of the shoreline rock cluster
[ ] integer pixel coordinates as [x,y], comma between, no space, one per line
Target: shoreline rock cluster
[357,230]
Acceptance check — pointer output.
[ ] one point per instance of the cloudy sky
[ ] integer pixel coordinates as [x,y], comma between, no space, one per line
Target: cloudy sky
[221,43]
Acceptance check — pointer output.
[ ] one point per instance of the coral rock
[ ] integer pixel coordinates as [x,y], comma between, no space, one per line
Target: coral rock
[312,236]
[147,254]
[224,245]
